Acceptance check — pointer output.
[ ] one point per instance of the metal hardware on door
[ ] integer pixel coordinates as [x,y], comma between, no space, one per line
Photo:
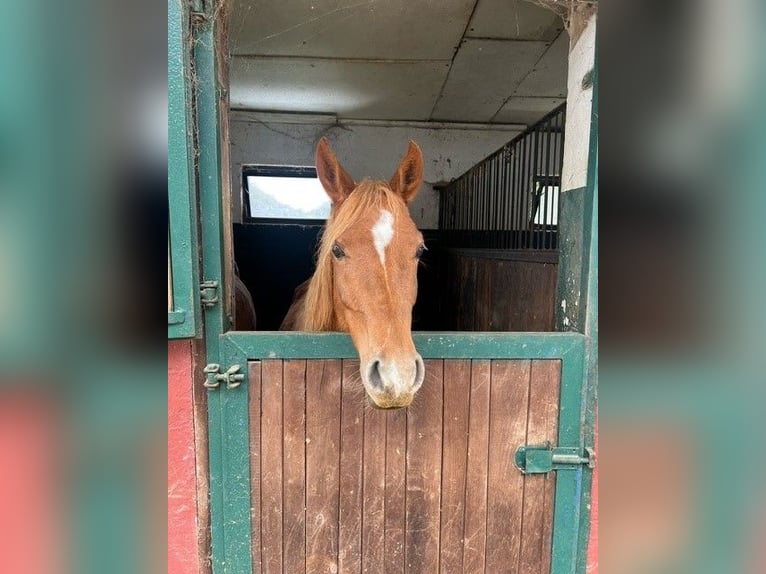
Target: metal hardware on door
[544,459]
[208,293]
[214,377]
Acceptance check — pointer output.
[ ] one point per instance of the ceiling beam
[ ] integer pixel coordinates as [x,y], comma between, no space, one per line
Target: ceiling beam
[270,117]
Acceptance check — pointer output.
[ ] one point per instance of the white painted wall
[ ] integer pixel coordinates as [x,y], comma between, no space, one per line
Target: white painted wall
[366,150]
[579,105]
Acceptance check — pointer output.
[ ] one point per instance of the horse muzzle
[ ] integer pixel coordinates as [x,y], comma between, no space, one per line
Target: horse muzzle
[392,383]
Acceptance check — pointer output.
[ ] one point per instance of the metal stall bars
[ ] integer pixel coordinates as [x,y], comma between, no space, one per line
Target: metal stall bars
[510,199]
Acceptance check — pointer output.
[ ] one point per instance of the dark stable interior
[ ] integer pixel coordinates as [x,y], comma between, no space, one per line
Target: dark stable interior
[459,288]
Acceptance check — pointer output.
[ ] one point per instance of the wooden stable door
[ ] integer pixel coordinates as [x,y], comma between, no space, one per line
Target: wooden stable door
[338,486]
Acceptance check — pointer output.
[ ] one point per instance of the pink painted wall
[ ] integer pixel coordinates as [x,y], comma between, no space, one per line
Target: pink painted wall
[31,519]
[592,565]
[183,555]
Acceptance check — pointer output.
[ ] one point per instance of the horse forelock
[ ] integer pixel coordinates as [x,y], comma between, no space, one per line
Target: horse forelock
[319,312]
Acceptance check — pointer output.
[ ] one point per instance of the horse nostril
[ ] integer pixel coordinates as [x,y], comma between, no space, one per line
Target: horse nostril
[420,372]
[374,375]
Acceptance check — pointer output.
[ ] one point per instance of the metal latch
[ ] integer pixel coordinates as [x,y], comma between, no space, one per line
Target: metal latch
[214,376]
[543,459]
[208,291]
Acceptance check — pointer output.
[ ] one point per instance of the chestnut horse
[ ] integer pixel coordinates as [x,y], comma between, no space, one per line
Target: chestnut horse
[365,281]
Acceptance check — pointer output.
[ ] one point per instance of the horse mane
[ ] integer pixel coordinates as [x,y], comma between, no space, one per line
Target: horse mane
[318,304]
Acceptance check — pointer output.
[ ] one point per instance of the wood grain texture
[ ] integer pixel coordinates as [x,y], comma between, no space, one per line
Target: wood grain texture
[373,485]
[294,465]
[457,386]
[509,396]
[424,446]
[542,428]
[201,448]
[351,448]
[323,404]
[498,294]
[483,301]
[254,387]
[465,304]
[396,488]
[475,531]
[271,467]
[341,487]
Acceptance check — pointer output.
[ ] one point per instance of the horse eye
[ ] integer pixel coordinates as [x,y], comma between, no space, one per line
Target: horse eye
[338,252]
[422,249]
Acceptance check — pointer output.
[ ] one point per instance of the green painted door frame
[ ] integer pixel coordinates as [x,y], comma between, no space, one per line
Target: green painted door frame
[184,312]
[572,499]
[228,416]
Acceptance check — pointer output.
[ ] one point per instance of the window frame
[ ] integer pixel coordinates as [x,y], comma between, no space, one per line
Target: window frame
[270,170]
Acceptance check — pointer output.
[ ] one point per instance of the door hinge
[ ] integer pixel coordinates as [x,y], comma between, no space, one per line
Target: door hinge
[214,377]
[208,293]
[543,459]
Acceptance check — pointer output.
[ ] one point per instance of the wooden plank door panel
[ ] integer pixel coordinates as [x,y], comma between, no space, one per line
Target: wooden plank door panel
[338,486]
[322,464]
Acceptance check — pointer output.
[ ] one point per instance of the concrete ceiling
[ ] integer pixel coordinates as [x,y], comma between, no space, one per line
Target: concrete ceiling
[466,61]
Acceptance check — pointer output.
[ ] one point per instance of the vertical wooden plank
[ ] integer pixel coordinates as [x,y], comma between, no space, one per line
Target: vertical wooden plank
[457,385]
[424,445]
[396,472]
[483,301]
[503,304]
[542,426]
[323,396]
[294,457]
[254,388]
[374,484]
[466,307]
[201,448]
[350,503]
[271,467]
[540,390]
[475,531]
[509,397]
[221,32]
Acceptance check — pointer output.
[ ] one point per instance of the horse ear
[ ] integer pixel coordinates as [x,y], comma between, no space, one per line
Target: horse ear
[336,181]
[409,175]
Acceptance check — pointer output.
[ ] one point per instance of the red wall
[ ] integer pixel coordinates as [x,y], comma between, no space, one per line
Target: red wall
[592,566]
[183,556]
[31,478]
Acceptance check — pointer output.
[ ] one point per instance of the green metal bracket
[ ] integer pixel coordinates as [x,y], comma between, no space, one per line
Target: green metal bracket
[544,459]
[214,376]
[208,293]
[176,317]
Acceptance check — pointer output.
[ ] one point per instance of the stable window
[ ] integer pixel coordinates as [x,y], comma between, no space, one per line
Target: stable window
[284,192]
[546,200]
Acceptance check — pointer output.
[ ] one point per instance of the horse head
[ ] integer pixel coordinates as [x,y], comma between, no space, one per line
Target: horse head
[372,247]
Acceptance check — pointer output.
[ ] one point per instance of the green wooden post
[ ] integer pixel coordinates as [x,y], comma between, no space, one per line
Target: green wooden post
[227,407]
[183,318]
[577,311]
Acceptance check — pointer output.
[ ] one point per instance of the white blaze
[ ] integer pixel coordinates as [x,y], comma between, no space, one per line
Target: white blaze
[383,233]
